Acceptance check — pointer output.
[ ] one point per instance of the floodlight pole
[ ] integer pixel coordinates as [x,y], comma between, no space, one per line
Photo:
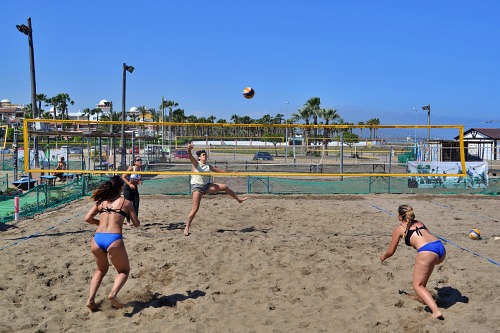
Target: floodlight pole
[27,30]
[286,132]
[126,69]
[428,109]
[112,148]
[416,122]
[162,125]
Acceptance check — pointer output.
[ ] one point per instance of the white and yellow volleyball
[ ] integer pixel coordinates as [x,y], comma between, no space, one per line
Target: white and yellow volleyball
[474,234]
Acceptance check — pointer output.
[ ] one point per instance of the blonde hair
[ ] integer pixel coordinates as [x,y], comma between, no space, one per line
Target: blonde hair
[406,212]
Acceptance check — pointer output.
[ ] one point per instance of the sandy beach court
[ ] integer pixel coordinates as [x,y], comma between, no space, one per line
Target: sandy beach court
[270,264]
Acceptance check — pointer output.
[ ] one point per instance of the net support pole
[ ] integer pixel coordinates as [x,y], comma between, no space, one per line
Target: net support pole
[341,155]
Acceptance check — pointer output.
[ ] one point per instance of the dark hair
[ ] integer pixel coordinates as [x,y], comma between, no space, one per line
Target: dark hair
[199,152]
[108,189]
[62,158]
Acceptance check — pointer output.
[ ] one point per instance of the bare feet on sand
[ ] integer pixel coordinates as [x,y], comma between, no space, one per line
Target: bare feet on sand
[114,301]
[438,315]
[240,200]
[92,306]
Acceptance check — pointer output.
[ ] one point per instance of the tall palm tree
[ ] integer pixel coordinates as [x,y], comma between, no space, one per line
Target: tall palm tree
[155,117]
[303,114]
[97,112]
[330,116]
[60,102]
[170,105]
[143,112]
[236,120]
[64,101]
[179,117]
[52,101]
[361,123]
[86,113]
[373,130]
[313,104]
[41,98]
[27,111]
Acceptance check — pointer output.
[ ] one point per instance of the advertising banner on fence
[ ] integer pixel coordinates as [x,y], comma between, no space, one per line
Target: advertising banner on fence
[477,175]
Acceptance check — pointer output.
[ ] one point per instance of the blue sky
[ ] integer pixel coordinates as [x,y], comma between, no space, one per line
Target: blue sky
[367,59]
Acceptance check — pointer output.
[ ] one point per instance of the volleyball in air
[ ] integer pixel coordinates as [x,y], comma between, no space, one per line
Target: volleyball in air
[474,234]
[248,92]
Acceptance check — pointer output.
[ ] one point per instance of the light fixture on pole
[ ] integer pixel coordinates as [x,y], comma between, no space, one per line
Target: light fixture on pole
[28,31]
[428,109]
[126,69]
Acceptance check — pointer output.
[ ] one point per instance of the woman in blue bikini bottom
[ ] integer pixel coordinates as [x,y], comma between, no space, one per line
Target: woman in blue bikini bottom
[437,247]
[104,239]
[107,243]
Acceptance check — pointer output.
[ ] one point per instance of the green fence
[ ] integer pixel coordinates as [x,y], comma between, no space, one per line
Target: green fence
[43,197]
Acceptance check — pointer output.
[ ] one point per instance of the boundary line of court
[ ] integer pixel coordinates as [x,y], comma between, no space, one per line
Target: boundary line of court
[40,232]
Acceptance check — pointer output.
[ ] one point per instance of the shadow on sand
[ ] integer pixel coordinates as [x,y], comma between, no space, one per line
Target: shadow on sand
[158,301]
[448,296]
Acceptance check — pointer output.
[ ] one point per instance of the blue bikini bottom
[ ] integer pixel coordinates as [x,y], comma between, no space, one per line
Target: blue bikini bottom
[104,239]
[437,247]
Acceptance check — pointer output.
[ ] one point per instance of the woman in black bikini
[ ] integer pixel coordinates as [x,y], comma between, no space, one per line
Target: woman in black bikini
[108,239]
[430,252]
[132,181]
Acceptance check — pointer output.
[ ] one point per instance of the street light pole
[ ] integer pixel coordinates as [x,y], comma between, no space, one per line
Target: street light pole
[416,122]
[109,105]
[126,69]
[162,125]
[28,31]
[428,109]
[286,132]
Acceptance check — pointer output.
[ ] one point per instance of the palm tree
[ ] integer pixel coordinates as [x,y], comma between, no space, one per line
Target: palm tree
[63,101]
[40,98]
[153,115]
[329,115]
[361,123]
[27,111]
[313,104]
[179,117]
[305,115]
[143,111]
[86,113]
[96,111]
[373,130]
[170,105]
[52,101]
[60,102]
[235,119]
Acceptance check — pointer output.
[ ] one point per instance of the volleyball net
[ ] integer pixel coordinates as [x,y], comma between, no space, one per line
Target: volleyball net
[285,150]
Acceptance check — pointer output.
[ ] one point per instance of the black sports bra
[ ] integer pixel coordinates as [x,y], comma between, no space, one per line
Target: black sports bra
[110,210]
[411,231]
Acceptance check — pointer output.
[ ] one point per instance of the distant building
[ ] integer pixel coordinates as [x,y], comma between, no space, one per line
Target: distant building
[483,143]
[10,113]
